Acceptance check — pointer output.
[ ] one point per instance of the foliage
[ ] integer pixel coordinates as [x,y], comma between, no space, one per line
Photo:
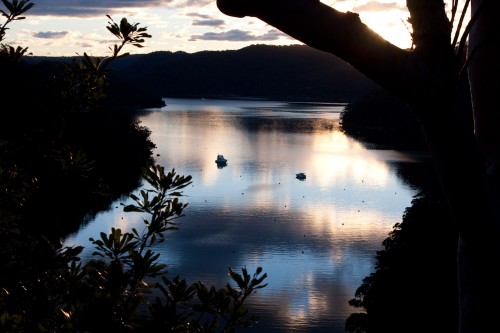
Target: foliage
[85,79]
[128,33]
[44,145]
[162,210]
[415,275]
[58,293]
[15,10]
[382,119]
[46,287]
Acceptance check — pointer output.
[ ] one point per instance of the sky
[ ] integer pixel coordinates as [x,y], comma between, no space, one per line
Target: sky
[71,27]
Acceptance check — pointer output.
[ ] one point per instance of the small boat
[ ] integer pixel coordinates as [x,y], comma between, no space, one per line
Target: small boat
[300,175]
[220,159]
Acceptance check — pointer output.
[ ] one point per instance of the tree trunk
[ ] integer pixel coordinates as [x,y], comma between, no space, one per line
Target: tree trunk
[478,279]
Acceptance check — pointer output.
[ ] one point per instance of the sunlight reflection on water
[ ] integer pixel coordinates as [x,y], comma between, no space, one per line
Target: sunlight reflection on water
[316,238]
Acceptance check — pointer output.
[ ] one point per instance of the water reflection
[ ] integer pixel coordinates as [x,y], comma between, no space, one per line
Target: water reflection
[316,238]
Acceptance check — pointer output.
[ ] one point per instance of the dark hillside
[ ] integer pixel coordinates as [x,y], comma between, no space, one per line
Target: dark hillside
[258,71]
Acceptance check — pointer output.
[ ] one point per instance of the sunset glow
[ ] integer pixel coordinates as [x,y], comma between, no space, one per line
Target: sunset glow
[54,28]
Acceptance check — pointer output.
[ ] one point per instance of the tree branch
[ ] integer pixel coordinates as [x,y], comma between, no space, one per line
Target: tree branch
[338,33]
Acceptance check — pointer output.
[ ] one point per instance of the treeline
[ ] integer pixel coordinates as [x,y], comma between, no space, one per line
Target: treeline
[298,73]
[379,118]
[418,260]
[262,71]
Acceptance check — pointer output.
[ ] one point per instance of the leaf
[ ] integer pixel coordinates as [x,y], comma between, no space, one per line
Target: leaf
[132,208]
[9,6]
[66,314]
[237,278]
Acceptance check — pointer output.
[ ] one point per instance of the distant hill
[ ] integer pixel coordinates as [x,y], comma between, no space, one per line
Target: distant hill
[293,73]
[297,72]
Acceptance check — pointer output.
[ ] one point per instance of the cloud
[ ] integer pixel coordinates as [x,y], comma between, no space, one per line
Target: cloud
[50,34]
[198,15]
[204,20]
[89,8]
[376,6]
[237,35]
[210,23]
[194,3]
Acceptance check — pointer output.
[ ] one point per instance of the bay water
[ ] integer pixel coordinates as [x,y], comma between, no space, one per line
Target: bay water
[315,238]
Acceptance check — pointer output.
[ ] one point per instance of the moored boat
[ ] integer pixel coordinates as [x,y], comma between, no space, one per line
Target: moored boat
[300,175]
[220,159]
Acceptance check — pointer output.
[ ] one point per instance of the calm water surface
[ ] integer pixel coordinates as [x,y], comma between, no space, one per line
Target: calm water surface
[315,238]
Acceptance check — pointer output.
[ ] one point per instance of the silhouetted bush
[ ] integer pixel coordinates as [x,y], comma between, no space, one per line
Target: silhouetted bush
[413,288]
[382,119]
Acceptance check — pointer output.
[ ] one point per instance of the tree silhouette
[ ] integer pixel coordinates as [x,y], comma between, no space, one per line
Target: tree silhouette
[460,125]
[47,179]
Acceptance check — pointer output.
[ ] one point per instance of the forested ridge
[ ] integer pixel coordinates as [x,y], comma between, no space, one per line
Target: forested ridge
[296,72]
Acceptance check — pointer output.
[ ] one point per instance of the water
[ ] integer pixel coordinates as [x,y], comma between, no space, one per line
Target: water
[316,238]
